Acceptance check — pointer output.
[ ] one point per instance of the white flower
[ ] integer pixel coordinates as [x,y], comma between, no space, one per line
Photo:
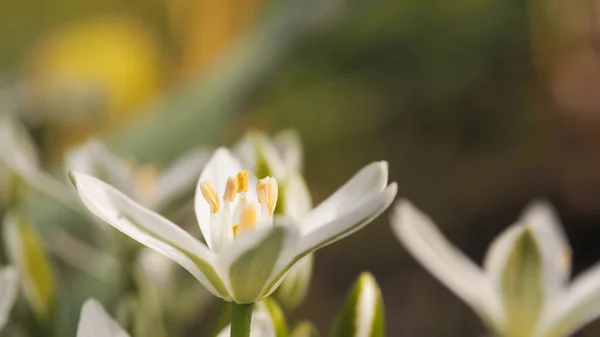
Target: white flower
[156,190]
[523,288]
[9,288]
[17,150]
[246,255]
[282,158]
[96,322]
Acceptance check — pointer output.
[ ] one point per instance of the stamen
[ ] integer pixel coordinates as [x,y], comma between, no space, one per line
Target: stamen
[267,193]
[242,181]
[249,217]
[231,189]
[273,195]
[210,195]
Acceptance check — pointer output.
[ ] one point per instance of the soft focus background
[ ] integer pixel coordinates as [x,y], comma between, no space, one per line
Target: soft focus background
[478,105]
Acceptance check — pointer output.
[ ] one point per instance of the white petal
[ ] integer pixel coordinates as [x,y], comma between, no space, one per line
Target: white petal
[95,159]
[575,307]
[364,185]
[95,322]
[367,305]
[180,177]
[498,253]
[149,229]
[289,144]
[9,288]
[256,147]
[347,223]
[251,259]
[554,245]
[245,151]
[272,157]
[423,240]
[219,167]
[297,200]
[17,149]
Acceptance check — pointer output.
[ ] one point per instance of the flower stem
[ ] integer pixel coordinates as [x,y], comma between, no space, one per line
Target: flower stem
[241,317]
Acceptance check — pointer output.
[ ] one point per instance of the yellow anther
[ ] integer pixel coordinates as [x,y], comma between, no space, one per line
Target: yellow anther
[249,217]
[235,228]
[230,189]
[267,192]
[242,181]
[209,193]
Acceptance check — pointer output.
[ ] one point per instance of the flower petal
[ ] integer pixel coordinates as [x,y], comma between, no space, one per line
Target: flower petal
[26,252]
[295,200]
[289,145]
[364,185]
[180,177]
[17,149]
[363,313]
[424,241]
[259,155]
[498,253]
[575,307]
[149,229]
[349,222]
[522,286]
[219,167]
[95,159]
[541,218]
[9,288]
[95,322]
[251,258]
[295,286]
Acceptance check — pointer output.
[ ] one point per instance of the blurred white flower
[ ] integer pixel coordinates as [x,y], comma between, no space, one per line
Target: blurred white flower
[523,288]
[246,256]
[18,153]
[27,254]
[9,289]
[94,321]
[145,184]
[156,267]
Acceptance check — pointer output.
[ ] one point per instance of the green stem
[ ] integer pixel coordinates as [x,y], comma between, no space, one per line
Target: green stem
[241,317]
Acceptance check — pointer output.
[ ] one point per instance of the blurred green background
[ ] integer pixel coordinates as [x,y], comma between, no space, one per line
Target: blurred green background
[478,105]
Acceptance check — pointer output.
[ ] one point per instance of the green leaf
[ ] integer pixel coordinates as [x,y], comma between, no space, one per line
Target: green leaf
[277,316]
[522,286]
[363,313]
[26,252]
[305,329]
[251,271]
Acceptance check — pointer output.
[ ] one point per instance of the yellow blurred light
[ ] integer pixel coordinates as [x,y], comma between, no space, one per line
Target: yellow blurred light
[207,28]
[115,56]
